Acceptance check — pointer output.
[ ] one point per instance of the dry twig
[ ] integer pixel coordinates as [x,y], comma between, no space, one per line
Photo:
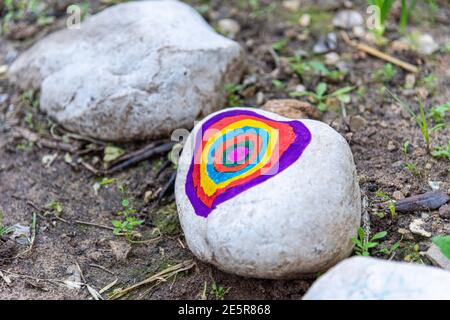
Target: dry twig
[377,53]
[161,276]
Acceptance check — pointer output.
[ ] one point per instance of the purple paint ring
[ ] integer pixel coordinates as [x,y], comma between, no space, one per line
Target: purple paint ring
[291,154]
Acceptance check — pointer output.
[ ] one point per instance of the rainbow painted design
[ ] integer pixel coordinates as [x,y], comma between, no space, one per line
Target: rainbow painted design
[236,150]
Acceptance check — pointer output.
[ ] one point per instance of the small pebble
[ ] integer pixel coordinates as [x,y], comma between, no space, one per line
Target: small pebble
[434,185]
[331,58]
[300,88]
[444,211]
[3,98]
[357,123]
[120,249]
[305,20]
[416,228]
[260,98]
[405,233]
[435,255]
[392,146]
[359,31]
[398,195]
[148,196]
[400,45]
[3,69]
[347,19]
[326,43]
[425,44]
[229,27]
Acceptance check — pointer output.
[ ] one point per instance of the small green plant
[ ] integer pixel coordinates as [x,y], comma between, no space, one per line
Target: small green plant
[53,207]
[441,151]
[412,167]
[30,98]
[405,13]
[258,10]
[438,113]
[389,251]
[233,97]
[218,291]
[4,230]
[412,253]
[279,85]
[301,68]
[420,119]
[406,147]
[26,146]
[429,82]
[29,120]
[386,198]
[280,44]
[112,153]
[129,222]
[363,244]
[21,10]
[443,243]
[386,73]
[319,97]
[106,181]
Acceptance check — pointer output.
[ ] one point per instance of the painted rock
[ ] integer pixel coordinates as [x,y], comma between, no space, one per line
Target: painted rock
[264,196]
[364,278]
[136,70]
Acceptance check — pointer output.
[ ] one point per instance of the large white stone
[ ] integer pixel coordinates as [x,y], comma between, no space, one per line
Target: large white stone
[363,278]
[133,71]
[298,222]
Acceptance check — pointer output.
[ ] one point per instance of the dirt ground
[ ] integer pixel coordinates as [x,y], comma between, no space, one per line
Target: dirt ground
[32,176]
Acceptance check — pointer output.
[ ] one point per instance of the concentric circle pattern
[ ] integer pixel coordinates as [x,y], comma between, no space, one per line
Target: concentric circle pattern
[236,150]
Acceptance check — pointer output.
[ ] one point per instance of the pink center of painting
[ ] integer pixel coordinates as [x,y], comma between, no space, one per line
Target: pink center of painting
[238,154]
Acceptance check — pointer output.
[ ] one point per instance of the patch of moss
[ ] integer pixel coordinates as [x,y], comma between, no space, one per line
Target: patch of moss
[166,220]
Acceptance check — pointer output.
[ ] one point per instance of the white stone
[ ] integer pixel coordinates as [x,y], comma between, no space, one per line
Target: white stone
[332,58]
[363,278]
[298,222]
[136,70]
[228,27]
[425,44]
[416,227]
[305,20]
[348,19]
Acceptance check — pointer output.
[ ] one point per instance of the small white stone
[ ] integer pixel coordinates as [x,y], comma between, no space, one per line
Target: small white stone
[416,227]
[391,146]
[359,31]
[286,226]
[304,20]
[364,278]
[435,185]
[425,44]
[228,27]
[260,98]
[332,58]
[347,19]
[300,88]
